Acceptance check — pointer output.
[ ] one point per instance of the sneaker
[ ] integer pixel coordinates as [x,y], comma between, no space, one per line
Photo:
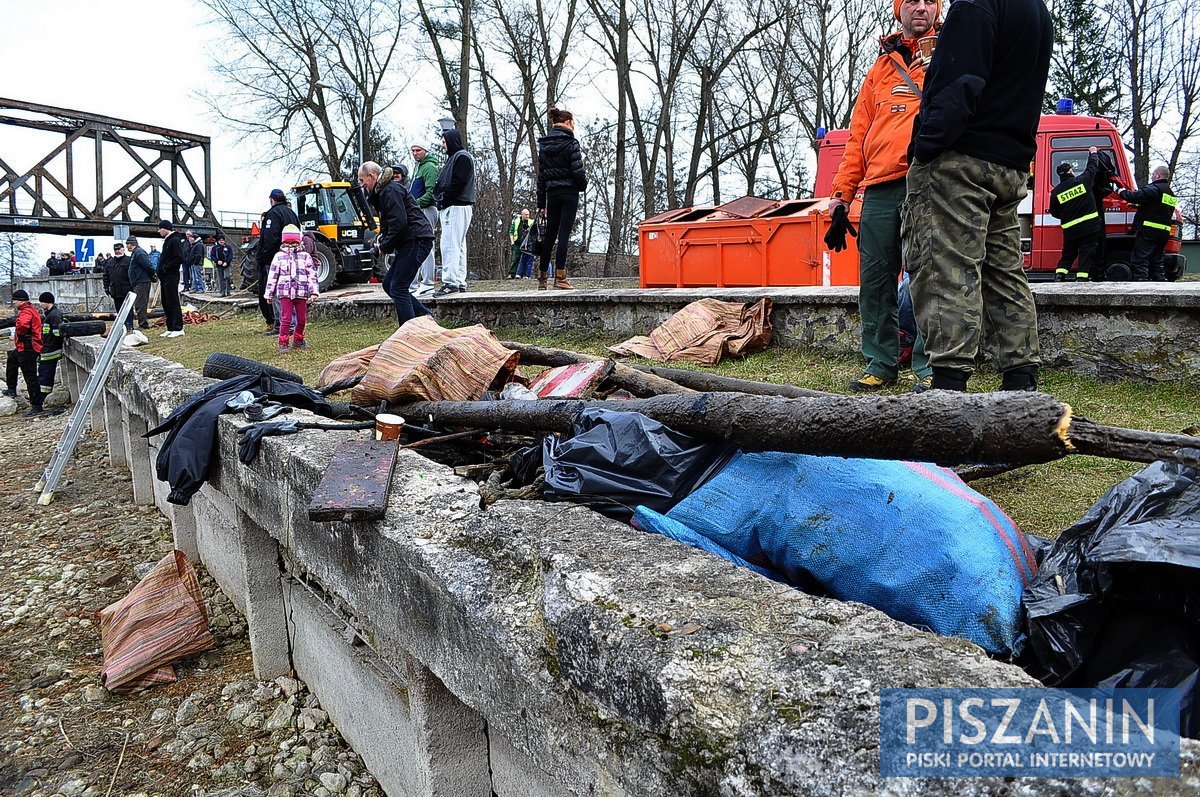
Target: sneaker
[869,382]
[423,292]
[446,290]
[166,334]
[300,344]
[921,385]
[32,412]
[271,331]
[10,393]
[176,334]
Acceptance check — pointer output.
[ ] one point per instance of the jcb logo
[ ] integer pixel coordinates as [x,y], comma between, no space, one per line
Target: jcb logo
[899,108]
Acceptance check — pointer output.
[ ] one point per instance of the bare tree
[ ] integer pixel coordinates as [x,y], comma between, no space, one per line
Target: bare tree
[612,35]
[306,78]
[450,26]
[17,253]
[1152,70]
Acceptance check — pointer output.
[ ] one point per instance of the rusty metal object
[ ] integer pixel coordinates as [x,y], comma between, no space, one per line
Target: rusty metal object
[356,482]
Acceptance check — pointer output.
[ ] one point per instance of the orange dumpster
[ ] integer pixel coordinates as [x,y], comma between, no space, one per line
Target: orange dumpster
[747,242]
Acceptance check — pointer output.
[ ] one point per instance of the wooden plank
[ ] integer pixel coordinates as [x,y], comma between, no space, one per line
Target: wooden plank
[356,483]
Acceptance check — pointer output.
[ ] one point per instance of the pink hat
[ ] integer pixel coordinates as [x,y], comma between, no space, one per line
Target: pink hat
[291,234]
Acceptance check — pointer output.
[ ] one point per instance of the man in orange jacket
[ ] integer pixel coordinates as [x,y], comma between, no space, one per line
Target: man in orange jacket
[27,334]
[876,160]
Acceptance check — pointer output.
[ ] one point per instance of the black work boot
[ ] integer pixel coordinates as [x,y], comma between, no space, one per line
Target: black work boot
[1021,378]
[950,379]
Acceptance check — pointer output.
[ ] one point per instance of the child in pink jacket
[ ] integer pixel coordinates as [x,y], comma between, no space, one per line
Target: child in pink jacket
[293,278]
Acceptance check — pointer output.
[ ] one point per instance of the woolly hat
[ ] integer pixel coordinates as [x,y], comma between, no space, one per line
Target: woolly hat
[20,295]
[131,240]
[291,234]
[46,297]
[896,9]
[163,224]
[1064,169]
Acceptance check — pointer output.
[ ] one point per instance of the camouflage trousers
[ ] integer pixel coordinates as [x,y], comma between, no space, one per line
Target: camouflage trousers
[962,249]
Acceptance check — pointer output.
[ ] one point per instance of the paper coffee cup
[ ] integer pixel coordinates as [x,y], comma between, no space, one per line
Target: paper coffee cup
[388,427]
[926,44]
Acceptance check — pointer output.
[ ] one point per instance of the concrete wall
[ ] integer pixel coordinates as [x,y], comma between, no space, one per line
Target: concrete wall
[82,293]
[1105,331]
[528,649]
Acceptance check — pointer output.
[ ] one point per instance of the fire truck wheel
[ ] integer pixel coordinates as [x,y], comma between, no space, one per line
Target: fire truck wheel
[1118,271]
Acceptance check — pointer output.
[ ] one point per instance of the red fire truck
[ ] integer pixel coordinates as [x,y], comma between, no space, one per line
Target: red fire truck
[1061,137]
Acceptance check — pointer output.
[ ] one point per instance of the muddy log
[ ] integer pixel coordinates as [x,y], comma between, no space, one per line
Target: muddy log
[635,381]
[939,426]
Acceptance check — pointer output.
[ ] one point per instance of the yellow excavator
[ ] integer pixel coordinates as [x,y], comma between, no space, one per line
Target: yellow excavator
[337,215]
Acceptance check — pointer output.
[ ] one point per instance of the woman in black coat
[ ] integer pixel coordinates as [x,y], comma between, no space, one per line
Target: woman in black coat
[560,181]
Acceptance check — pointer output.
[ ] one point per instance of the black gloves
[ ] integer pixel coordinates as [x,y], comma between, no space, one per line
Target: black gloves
[250,437]
[839,225]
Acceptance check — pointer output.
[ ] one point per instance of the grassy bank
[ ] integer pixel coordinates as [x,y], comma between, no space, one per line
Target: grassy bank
[1042,499]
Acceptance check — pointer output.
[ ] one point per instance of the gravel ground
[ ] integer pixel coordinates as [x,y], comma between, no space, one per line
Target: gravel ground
[215,732]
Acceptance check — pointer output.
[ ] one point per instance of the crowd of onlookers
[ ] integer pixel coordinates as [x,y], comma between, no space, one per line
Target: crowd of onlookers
[61,264]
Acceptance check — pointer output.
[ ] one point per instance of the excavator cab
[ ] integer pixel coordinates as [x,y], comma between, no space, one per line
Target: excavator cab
[339,218]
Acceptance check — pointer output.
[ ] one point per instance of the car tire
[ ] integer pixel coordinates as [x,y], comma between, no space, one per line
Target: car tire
[225,366]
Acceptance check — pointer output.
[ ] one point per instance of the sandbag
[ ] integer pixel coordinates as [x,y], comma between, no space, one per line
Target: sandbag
[160,621]
[910,539]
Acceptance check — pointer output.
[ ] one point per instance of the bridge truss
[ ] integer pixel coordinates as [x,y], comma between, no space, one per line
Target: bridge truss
[150,163]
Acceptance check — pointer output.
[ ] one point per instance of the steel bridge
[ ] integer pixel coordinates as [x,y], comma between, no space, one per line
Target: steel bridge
[169,176]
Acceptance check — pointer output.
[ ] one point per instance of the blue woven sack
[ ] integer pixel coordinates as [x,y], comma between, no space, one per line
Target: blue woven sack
[910,539]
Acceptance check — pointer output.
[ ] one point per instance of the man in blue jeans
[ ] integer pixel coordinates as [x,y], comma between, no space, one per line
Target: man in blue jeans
[404,232]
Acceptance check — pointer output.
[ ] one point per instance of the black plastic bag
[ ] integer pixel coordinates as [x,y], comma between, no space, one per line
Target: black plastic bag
[1116,601]
[616,461]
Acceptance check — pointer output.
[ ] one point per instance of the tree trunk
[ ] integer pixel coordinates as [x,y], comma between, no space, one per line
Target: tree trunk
[715,383]
[945,427]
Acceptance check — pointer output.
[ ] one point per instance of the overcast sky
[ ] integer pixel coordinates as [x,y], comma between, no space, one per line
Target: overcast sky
[141,60]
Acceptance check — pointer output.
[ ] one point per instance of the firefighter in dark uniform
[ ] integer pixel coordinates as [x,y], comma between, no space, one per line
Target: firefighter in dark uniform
[1073,202]
[1151,225]
[52,343]
[27,334]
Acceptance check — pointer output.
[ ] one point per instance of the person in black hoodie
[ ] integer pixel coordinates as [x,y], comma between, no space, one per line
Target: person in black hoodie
[1151,225]
[973,141]
[404,232]
[170,266]
[1074,204]
[561,179]
[454,195]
